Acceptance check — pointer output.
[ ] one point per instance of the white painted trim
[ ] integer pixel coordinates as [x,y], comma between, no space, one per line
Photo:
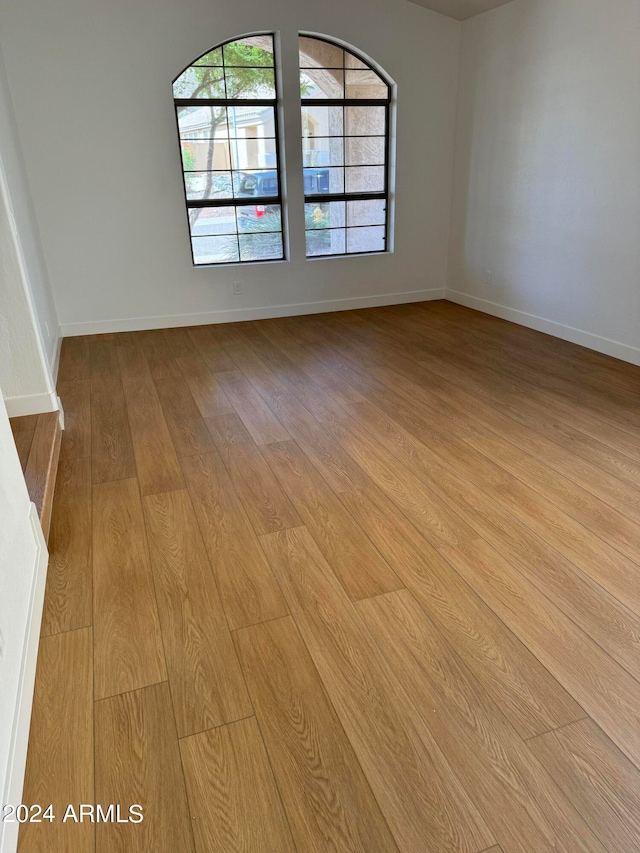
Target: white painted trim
[56,358]
[24,699]
[135,324]
[31,404]
[25,281]
[550,327]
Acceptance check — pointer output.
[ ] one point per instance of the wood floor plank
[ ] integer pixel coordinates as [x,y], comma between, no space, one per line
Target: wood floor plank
[186,424]
[435,520]
[359,566]
[103,355]
[267,506]
[594,465]
[423,802]
[475,487]
[134,369]
[179,342]
[613,624]
[23,429]
[76,403]
[207,393]
[206,682]
[68,601]
[304,359]
[605,619]
[233,797]
[336,466]
[321,404]
[577,415]
[597,778]
[327,797]
[111,446]
[515,796]
[528,695]
[74,359]
[248,589]
[156,460]
[211,350]
[159,355]
[258,418]
[128,643]
[60,768]
[40,468]
[603,688]
[138,761]
[326,343]
[607,566]
[614,520]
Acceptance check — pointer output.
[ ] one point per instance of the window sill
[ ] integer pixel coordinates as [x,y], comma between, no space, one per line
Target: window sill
[350,255]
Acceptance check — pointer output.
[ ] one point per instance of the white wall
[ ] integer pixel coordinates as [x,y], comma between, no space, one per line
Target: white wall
[28,239]
[91,85]
[25,377]
[547,186]
[23,559]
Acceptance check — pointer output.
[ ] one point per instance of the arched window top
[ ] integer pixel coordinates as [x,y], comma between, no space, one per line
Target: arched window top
[226,108]
[240,69]
[331,71]
[345,150]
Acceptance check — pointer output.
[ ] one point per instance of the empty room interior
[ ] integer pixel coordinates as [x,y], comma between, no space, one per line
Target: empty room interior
[320,426]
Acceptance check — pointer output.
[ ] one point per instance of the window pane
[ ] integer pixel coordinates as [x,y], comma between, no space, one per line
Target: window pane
[260,247]
[327,214]
[252,51]
[214,57]
[322,152]
[201,122]
[351,61]
[250,83]
[316,53]
[253,153]
[251,122]
[318,181]
[371,212]
[365,239]
[254,218]
[255,184]
[330,241]
[203,155]
[200,83]
[215,250]
[320,83]
[200,185]
[365,150]
[364,84]
[322,121]
[364,121]
[211,221]
[365,179]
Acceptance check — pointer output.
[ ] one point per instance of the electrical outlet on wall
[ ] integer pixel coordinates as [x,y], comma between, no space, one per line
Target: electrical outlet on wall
[237,288]
[488,277]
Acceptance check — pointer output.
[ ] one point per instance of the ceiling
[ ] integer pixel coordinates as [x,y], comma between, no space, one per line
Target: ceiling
[461,9]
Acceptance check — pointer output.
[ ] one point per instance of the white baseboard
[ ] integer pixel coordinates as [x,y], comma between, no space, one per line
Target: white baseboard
[31,404]
[135,324]
[24,700]
[550,327]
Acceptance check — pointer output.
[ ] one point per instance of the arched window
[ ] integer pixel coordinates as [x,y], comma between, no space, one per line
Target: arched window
[226,107]
[345,141]
[228,128]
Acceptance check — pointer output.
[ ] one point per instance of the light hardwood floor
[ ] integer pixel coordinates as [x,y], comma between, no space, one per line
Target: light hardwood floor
[360,581]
